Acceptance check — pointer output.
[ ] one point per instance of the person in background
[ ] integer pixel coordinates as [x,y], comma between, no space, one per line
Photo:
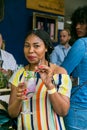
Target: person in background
[7,61]
[2,43]
[53,87]
[61,50]
[76,65]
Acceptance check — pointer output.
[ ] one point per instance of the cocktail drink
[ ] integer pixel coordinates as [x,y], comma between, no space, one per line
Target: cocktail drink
[30,82]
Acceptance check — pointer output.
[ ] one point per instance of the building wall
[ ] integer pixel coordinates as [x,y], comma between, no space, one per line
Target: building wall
[16,23]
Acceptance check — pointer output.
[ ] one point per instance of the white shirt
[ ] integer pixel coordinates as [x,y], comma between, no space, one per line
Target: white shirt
[9,61]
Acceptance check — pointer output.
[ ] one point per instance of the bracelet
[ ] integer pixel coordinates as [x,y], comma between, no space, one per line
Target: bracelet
[52,91]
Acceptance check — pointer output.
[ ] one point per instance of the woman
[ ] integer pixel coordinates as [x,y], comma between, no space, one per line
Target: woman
[48,102]
[76,65]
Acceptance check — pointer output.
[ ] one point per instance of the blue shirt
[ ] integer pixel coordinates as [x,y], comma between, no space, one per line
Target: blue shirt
[58,54]
[76,63]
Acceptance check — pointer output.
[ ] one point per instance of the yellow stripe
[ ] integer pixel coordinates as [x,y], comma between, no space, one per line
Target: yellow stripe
[15,80]
[42,106]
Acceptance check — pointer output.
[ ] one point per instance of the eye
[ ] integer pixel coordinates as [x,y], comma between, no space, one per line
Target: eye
[81,23]
[26,45]
[36,46]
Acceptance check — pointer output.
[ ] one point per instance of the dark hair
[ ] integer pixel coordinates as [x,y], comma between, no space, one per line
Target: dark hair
[46,39]
[67,30]
[78,16]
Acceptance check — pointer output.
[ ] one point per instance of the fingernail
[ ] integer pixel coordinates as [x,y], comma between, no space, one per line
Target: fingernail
[22,83]
[40,66]
[36,71]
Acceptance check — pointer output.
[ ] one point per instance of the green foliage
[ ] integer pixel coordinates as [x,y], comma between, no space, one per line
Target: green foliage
[3,80]
[30,75]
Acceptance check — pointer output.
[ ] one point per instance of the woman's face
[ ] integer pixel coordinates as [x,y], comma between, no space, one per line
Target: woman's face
[34,49]
[81,29]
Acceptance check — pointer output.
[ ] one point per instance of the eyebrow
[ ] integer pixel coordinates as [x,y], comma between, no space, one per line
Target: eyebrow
[33,43]
[26,42]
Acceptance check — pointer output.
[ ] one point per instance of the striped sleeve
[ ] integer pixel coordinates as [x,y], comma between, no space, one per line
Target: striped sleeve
[63,83]
[15,78]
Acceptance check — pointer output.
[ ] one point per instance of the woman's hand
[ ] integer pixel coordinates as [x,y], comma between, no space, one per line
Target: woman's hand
[16,97]
[21,92]
[46,74]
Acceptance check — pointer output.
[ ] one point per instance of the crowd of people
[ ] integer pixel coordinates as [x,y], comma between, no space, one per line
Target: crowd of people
[60,98]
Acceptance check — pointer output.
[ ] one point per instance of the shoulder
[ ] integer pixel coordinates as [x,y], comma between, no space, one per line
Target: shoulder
[20,70]
[57,47]
[80,41]
[83,40]
[69,46]
[58,69]
[6,53]
[79,45]
[17,76]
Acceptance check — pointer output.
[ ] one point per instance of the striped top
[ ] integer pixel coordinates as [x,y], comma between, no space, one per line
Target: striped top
[43,117]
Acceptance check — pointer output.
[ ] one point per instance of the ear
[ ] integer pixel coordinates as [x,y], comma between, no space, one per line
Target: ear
[69,37]
[46,50]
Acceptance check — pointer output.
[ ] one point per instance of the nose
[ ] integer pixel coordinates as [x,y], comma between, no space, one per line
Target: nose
[31,49]
[78,25]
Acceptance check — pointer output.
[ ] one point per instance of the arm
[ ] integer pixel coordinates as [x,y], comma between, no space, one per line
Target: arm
[59,102]
[74,56]
[16,97]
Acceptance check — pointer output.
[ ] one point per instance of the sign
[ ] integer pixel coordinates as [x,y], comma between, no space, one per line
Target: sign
[50,6]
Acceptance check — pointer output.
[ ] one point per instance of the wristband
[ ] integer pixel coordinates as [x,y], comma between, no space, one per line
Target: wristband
[51,91]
